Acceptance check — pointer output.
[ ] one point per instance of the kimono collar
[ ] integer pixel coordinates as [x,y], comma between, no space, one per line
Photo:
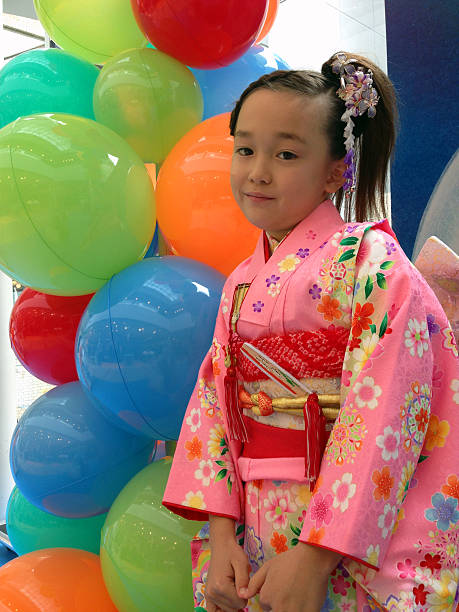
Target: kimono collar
[309,235]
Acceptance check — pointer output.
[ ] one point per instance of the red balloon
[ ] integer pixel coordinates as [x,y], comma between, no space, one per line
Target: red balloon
[42,332]
[200,33]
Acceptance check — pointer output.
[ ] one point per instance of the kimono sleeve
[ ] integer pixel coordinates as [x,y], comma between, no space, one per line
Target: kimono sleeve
[202,479]
[385,408]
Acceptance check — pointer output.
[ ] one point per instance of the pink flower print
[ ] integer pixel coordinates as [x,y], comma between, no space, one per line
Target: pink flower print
[406,569]
[303,253]
[389,442]
[346,378]
[343,491]
[437,375]
[321,511]
[272,280]
[257,306]
[252,495]
[315,291]
[278,504]
[392,312]
[311,235]
[340,585]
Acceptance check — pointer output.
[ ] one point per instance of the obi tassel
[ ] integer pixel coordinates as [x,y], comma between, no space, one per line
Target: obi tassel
[314,425]
[236,426]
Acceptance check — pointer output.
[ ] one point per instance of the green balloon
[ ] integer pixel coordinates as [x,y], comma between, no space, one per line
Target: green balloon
[77,204]
[95,30]
[148,98]
[145,548]
[29,528]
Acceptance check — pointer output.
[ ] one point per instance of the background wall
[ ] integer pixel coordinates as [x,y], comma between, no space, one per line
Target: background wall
[423,64]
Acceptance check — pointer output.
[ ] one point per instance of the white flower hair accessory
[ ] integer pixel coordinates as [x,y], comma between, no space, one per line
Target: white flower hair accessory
[359,97]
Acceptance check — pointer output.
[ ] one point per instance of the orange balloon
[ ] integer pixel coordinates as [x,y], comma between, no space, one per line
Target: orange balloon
[196,209]
[54,580]
[271,14]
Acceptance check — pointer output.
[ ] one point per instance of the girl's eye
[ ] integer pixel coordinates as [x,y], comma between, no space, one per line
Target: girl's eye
[244,151]
[287,155]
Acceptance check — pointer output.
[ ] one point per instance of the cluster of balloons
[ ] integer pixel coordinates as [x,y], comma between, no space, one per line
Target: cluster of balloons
[124,271]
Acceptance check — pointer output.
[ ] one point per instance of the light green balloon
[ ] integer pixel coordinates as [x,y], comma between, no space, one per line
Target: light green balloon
[145,548]
[77,204]
[148,98]
[95,30]
[29,528]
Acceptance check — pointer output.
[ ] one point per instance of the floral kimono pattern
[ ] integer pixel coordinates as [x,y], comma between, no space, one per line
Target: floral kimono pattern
[388,489]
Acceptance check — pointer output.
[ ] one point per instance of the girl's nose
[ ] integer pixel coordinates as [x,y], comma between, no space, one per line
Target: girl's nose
[260,172]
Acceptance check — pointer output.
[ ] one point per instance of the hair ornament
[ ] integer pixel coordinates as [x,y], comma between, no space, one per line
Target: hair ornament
[359,97]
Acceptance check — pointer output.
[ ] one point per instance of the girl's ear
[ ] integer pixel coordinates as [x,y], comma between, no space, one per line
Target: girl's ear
[335,179]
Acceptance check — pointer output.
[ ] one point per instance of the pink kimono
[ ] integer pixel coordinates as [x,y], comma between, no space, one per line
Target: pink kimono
[353,317]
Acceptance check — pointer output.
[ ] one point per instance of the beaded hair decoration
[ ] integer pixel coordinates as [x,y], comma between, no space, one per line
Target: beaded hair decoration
[360,97]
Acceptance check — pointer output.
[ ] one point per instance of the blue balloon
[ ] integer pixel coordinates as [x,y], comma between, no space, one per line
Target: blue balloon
[6,554]
[142,338]
[68,459]
[46,81]
[222,87]
[154,244]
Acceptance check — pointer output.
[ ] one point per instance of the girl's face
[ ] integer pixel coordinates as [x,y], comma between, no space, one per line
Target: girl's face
[281,167]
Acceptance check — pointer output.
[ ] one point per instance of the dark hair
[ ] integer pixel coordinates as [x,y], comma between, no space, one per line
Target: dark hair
[375,137]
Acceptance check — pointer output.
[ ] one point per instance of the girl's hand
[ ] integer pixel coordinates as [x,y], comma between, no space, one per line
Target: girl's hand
[294,581]
[229,569]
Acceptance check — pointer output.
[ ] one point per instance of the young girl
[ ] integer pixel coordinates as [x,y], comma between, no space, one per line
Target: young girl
[322,452]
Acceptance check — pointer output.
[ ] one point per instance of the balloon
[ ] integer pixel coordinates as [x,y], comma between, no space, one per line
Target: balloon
[142,339]
[67,459]
[77,204]
[148,98]
[54,580]
[196,209]
[42,332]
[6,555]
[199,33]
[153,248]
[222,87]
[29,528]
[93,29]
[145,548]
[46,81]
[271,14]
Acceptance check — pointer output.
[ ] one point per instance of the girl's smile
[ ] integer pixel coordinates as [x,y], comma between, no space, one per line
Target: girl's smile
[281,169]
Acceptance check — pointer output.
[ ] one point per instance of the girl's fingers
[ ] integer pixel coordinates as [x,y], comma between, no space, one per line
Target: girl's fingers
[255,584]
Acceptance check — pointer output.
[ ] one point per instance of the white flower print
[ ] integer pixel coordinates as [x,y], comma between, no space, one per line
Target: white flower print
[407,601]
[416,337]
[193,420]
[362,354]
[194,500]
[455,388]
[372,555]
[205,472]
[336,238]
[278,505]
[444,590]
[224,303]
[386,520]
[389,441]
[343,490]
[367,393]
[274,290]
[252,494]
[423,575]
